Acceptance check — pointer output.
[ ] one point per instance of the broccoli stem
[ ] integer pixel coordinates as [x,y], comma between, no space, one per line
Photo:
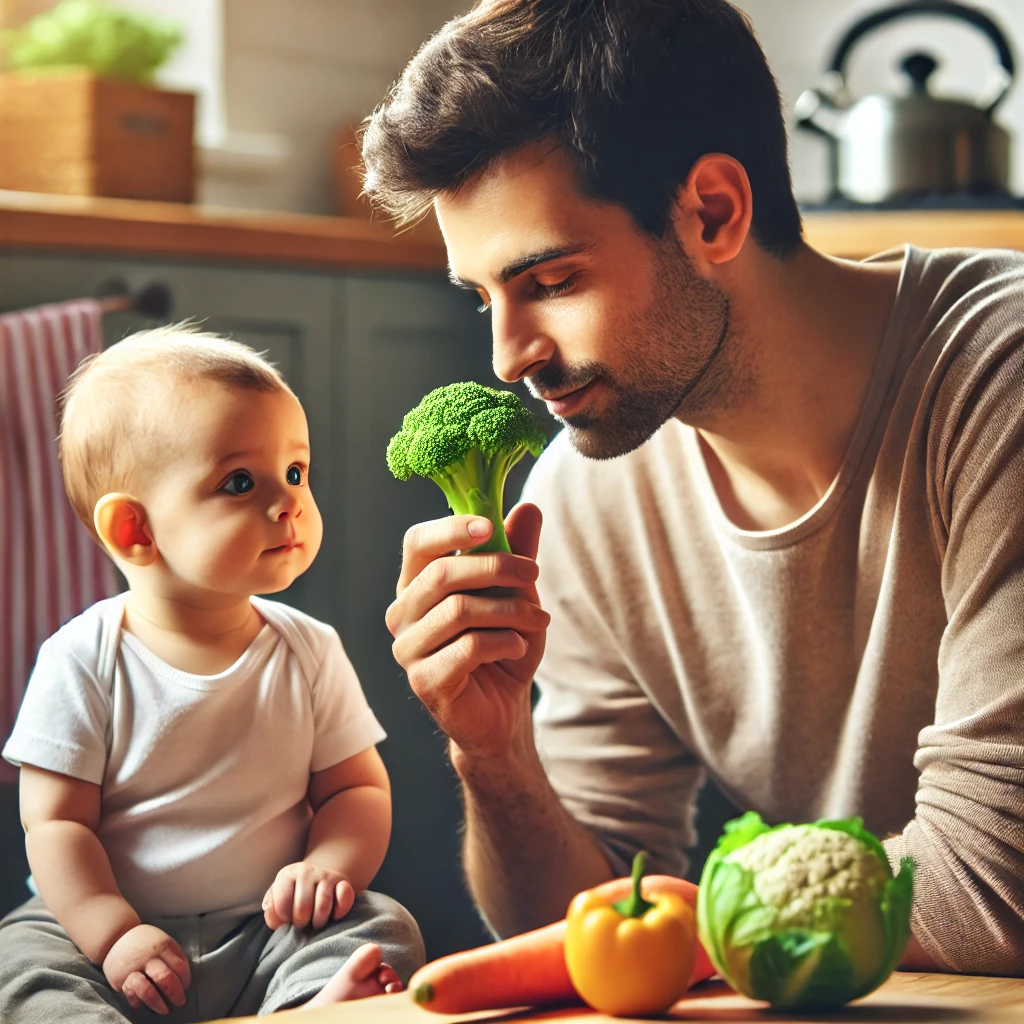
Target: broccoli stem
[476,486]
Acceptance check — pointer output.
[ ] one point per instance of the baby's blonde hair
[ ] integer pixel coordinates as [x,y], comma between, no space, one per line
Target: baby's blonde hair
[111,406]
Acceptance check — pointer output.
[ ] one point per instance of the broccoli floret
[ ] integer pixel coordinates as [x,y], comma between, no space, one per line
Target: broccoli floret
[466,438]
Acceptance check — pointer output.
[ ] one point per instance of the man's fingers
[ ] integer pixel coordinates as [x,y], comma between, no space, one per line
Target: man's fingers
[144,990]
[302,903]
[323,904]
[441,678]
[460,613]
[522,527]
[166,981]
[427,541]
[446,576]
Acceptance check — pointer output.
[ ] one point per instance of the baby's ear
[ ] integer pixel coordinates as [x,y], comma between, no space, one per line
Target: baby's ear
[120,521]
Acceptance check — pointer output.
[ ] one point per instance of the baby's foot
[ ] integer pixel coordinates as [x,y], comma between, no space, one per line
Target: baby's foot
[362,975]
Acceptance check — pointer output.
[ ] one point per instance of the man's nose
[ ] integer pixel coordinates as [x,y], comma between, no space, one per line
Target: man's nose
[520,349]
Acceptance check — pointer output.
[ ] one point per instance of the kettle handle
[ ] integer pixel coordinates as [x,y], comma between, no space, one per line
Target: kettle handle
[946,8]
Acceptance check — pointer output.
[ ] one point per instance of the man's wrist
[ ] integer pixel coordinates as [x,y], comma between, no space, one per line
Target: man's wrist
[496,772]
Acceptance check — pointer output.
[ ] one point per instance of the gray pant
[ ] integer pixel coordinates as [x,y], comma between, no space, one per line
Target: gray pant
[239,967]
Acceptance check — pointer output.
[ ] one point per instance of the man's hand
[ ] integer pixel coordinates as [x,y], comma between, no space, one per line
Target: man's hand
[149,968]
[471,656]
[304,894]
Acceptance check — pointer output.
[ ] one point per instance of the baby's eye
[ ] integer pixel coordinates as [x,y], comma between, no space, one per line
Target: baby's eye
[294,475]
[240,483]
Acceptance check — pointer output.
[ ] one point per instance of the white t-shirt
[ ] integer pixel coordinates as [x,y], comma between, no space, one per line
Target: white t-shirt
[203,778]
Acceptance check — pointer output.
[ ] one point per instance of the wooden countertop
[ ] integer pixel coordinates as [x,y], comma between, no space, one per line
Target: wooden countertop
[905,998]
[56,222]
[856,234]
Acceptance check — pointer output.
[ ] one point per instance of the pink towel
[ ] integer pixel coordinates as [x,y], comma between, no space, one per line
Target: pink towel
[50,567]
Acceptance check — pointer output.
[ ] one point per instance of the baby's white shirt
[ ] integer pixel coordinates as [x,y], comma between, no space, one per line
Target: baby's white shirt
[203,778]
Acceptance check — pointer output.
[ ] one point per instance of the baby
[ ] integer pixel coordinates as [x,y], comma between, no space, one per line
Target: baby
[203,801]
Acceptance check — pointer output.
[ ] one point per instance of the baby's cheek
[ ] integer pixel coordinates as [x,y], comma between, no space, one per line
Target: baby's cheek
[314,530]
[221,554]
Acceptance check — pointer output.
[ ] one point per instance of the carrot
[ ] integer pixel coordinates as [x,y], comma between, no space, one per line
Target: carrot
[528,969]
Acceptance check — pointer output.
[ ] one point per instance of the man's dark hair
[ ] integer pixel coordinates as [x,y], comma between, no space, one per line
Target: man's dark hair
[634,90]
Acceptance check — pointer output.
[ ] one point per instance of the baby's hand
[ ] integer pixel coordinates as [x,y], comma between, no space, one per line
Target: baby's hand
[148,966]
[305,894]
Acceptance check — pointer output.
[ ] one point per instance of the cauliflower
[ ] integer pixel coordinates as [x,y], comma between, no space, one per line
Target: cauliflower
[803,915]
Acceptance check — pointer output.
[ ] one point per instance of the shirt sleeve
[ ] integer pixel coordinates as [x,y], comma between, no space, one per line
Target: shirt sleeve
[65,716]
[615,763]
[343,723]
[966,838]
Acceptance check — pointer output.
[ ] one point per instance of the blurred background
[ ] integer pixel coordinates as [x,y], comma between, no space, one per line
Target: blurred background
[221,189]
[276,82]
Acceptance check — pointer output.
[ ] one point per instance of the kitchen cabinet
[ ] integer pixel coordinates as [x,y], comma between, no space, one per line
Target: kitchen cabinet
[403,337]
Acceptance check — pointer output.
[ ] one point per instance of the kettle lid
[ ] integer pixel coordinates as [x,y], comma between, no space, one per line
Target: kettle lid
[919,66]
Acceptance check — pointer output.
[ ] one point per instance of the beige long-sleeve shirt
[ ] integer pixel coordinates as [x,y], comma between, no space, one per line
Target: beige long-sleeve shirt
[867,659]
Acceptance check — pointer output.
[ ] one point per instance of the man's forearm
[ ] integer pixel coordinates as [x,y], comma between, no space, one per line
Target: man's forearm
[72,872]
[916,959]
[525,857]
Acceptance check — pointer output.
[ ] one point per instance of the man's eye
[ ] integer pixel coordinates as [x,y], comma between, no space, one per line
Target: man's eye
[240,483]
[294,475]
[549,291]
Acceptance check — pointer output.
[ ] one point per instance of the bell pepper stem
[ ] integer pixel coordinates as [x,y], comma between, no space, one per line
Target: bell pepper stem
[634,905]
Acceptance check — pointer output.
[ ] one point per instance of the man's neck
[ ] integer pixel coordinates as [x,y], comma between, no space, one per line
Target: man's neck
[807,330]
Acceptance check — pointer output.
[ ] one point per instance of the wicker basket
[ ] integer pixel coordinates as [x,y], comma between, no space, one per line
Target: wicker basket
[79,134]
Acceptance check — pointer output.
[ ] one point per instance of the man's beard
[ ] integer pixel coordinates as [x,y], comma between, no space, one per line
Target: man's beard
[678,368]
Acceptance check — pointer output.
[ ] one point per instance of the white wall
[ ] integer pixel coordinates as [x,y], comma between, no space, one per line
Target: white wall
[198,65]
[304,68]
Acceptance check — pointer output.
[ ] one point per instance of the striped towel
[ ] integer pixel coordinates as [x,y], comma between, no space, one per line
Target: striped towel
[50,567]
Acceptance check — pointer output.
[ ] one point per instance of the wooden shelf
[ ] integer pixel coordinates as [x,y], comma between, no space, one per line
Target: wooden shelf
[58,222]
[35,220]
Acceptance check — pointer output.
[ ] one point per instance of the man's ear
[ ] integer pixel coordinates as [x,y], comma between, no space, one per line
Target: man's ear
[713,210]
[121,522]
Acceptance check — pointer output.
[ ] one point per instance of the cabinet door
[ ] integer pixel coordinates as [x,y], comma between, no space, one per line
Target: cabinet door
[284,314]
[403,338]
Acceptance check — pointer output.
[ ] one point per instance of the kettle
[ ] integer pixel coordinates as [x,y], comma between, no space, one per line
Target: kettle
[888,148]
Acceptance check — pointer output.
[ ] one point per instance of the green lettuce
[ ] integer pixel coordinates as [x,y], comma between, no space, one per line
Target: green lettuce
[803,916]
[94,35]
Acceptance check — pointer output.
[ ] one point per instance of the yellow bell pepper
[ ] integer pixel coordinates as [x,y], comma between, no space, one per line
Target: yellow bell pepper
[632,958]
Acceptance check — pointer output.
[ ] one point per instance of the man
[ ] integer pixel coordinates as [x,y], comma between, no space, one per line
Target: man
[783,533]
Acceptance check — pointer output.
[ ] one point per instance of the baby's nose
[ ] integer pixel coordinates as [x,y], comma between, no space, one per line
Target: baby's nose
[287,506]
